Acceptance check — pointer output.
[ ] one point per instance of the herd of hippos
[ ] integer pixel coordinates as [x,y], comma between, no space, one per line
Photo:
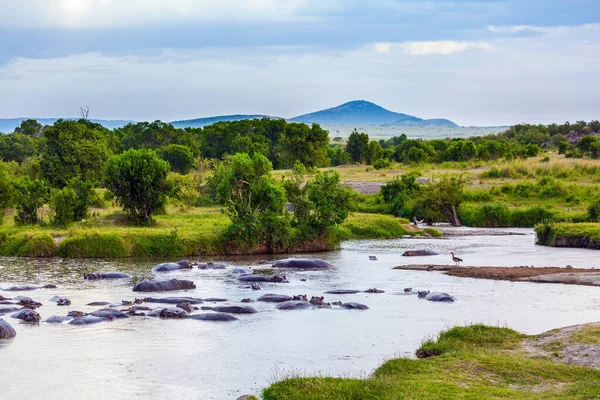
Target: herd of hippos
[24,308]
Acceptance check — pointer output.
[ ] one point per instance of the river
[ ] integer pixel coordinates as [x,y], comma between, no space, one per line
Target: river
[145,358]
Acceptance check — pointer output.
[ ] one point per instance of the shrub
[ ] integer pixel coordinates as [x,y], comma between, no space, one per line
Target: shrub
[138,179]
[382,163]
[179,157]
[5,191]
[29,196]
[63,202]
[40,246]
[594,211]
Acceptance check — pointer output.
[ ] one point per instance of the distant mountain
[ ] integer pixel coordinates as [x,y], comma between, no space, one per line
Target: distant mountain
[8,125]
[361,112]
[202,122]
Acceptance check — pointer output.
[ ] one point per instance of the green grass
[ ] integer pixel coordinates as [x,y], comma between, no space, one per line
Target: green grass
[586,335]
[473,362]
[586,235]
[376,226]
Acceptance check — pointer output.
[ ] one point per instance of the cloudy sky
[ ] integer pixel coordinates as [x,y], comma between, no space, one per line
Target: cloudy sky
[477,62]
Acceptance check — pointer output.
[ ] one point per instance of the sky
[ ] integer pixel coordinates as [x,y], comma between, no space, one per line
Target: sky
[478,63]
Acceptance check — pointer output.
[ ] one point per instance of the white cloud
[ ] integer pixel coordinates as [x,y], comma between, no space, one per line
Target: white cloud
[444,47]
[119,13]
[382,48]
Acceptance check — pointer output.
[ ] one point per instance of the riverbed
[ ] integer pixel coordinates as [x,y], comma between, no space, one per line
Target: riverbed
[145,358]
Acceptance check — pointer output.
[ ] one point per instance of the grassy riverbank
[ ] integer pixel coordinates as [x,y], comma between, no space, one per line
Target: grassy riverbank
[195,232]
[473,362]
[585,235]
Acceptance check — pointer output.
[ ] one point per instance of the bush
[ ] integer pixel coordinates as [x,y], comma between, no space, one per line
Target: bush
[138,179]
[63,203]
[40,246]
[179,157]
[29,196]
[594,211]
[382,163]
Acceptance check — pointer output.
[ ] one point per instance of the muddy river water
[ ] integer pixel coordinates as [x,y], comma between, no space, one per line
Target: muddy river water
[147,358]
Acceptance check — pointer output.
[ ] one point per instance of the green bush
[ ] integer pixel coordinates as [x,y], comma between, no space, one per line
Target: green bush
[63,203]
[29,196]
[93,245]
[40,246]
[594,211]
[382,163]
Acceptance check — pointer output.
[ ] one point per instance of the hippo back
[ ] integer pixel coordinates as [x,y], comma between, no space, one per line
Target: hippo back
[302,263]
[439,296]
[6,331]
[163,286]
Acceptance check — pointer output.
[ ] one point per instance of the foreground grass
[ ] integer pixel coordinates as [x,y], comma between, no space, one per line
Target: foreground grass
[195,232]
[473,362]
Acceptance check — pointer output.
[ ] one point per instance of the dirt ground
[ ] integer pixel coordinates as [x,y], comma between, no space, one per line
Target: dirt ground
[571,276]
[576,345]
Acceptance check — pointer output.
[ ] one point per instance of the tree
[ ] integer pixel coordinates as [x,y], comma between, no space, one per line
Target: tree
[397,192]
[30,127]
[331,200]
[74,149]
[29,196]
[439,200]
[63,202]
[5,190]
[179,157]
[17,147]
[357,146]
[374,152]
[138,179]
[305,144]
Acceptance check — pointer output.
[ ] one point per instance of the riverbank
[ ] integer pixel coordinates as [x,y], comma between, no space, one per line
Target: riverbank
[570,276]
[473,362]
[582,235]
[196,232]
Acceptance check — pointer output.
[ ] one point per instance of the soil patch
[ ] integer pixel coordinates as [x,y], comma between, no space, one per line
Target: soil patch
[571,276]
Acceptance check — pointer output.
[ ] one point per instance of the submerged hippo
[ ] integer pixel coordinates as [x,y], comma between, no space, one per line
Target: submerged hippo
[27,315]
[263,278]
[418,253]
[25,288]
[174,300]
[187,307]
[99,303]
[342,291]
[319,302]
[437,296]
[374,290]
[215,300]
[163,286]
[8,310]
[87,320]
[211,265]
[167,267]
[58,319]
[109,313]
[232,309]
[354,306]
[242,271]
[294,305]
[213,317]
[6,331]
[274,298]
[302,263]
[61,301]
[167,313]
[106,275]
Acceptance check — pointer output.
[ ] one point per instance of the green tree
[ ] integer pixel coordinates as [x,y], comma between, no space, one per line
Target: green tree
[74,149]
[179,157]
[17,147]
[357,146]
[330,199]
[594,211]
[30,127]
[305,144]
[63,202]
[374,152]
[84,192]
[30,195]
[6,190]
[397,192]
[439,200]
[138,179]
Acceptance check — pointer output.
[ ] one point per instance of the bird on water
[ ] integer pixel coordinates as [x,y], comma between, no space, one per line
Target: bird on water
[456,259]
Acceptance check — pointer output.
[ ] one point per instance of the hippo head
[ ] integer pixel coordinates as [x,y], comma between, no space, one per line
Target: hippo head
[300,297]
[255,286]
[247,300]
[317,300]
[90,276]
[49,287]
[188,284]
[31,316]
[2,298]
[187,307]
[140,301]
[407,289]
[184,264]
[169,314]
[423,294]
[279,279]
[76,314]
[30,304]
[63,302]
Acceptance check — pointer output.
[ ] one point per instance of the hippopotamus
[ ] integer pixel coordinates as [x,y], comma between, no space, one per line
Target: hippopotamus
[318,301]
[99,303]
[418,253]
[58,319]
[6,331]
[354,306]
[87,320]
[232,309]
[107,275]
[61,301]
[109,314]
[293,305]
[4,302]
[215,300]
[163,286]
[167,267]
[167,313]
[263,278]
[274,298]
[175,300]
[242,271]
[8,310]
[27,315]
[437,296]
[28,302]
[342,291]
[247,301]
[213,317]
[302,263]
[2,298]
[187,307]
[211,265]
[374,290]
[25,288]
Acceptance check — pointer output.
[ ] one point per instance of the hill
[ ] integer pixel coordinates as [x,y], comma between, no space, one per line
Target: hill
[202,122]
[361,112]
